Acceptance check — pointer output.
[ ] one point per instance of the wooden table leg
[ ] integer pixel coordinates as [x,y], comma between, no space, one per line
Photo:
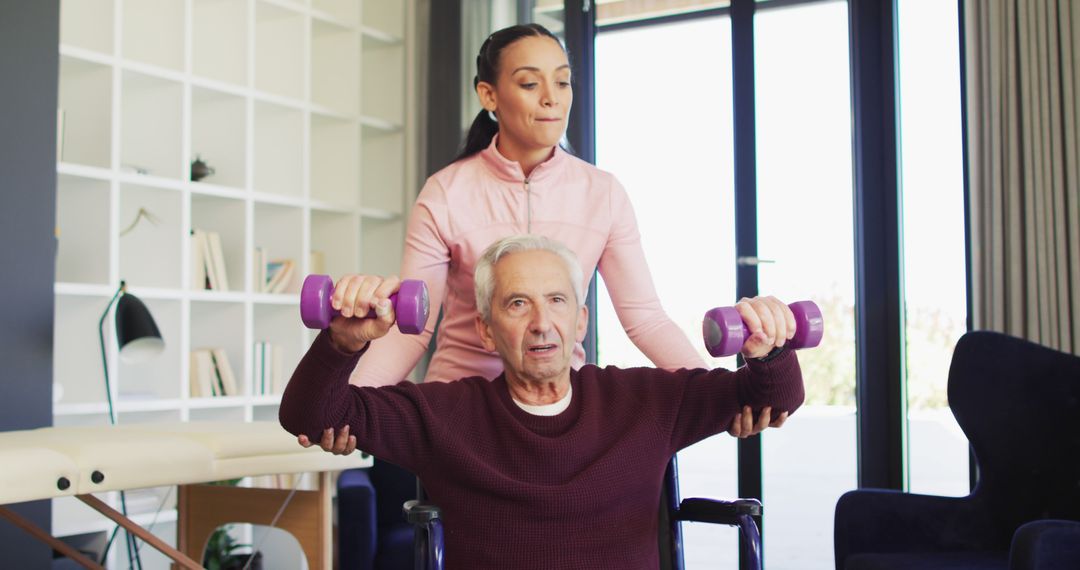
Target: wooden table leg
[56,544]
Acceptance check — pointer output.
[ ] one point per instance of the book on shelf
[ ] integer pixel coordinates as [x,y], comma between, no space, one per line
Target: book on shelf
[259,257]
[212,374]
[278,275]
[198,260]
[208,261]
[268,376]
[317,262]
[217,256]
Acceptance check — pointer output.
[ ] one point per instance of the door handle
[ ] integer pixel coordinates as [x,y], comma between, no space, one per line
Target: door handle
[751,261]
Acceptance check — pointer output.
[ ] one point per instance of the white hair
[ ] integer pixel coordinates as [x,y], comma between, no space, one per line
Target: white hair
[484,276]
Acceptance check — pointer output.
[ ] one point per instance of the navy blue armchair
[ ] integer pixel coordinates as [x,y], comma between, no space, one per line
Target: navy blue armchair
[372,535]
[1019,405]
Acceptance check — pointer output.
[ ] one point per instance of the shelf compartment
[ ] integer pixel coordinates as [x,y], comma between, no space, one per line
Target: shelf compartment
[77,372]
[153,32]
[218,122]
[159,377]
[85,100]
[231,413]
[151,116]
[334,63]
[87,24]
[335,164]
[227,217]
[279,51]
[383,170]
[280,326]
[279,232]
[336,237]
[220,325]
[151,251]
[344,11]
[267,411]
[220,40]
[386,17]
[82,224]
[155,417]
[279,150]
[381,246]
[382,93]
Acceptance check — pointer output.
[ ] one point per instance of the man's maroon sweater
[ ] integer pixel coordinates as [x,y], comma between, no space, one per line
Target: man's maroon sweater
[576,490]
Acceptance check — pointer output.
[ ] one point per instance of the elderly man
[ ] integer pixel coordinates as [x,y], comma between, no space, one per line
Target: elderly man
[544,466]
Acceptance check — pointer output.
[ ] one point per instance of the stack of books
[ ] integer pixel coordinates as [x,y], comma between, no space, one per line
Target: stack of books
[268,370]
[272,276]
[208,261]
[211,374]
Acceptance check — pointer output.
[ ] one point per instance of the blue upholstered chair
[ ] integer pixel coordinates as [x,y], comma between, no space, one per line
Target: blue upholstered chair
[372,535]
[1019,405]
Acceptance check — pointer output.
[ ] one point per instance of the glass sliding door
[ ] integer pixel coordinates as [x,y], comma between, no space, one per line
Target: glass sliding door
[932,187]
[804,192]
[664,128]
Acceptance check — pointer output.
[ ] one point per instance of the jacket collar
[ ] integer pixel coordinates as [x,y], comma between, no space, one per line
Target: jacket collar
[510,171]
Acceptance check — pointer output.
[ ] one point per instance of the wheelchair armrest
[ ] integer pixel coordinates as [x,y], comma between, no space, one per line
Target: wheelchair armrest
[717,511]
[419,512]
[880,521]
[1046,544]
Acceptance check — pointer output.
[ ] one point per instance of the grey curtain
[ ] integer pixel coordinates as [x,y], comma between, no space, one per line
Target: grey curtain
[1023,82]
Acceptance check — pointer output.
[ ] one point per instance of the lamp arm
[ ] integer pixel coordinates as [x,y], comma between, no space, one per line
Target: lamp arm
[104,358]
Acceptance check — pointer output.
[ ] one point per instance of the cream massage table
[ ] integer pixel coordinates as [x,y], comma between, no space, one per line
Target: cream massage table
[76,461]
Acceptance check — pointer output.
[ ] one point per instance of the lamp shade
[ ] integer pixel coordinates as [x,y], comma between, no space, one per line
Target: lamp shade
[136,332]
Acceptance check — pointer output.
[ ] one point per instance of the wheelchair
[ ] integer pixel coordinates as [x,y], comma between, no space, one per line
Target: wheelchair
[428,544]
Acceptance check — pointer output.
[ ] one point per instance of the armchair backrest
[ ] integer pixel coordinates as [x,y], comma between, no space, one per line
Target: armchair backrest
[1019,405]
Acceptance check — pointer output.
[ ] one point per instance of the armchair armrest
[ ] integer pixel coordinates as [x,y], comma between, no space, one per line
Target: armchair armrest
[1046,545]
[881,521]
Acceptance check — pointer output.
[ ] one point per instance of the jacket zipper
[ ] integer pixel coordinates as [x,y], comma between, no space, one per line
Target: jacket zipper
[528,208]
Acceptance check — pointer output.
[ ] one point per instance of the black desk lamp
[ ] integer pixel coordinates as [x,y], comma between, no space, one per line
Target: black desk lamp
[139,340]
[137,335]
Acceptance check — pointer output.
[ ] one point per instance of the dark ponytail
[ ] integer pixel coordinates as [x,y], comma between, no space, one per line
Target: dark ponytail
[483,127]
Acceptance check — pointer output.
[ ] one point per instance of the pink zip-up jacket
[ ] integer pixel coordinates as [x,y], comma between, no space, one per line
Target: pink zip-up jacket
[468,205]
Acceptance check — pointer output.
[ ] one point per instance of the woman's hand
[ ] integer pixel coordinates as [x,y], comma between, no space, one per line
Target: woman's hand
[770,322]
[357,295]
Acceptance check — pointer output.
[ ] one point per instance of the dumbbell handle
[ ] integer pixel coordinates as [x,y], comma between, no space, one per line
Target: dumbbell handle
[410,304]
[725,332]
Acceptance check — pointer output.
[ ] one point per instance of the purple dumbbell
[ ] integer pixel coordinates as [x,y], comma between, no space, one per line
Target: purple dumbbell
[410,304]
[725,332]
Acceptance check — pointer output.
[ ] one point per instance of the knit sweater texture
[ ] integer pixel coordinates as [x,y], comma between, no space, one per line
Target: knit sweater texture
[576,490]
[473,202]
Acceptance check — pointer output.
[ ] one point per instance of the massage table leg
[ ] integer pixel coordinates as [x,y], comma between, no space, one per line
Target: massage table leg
[56,544]
[146,536]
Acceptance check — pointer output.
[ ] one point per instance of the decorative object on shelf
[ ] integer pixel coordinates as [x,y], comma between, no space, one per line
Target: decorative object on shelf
[200,169]
[142,213]
[139,339]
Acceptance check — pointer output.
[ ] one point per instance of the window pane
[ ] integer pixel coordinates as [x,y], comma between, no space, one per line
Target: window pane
[663,127]
[805,224]
[934,267]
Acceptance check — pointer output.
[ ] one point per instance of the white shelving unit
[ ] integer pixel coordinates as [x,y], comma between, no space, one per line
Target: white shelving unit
[301,107]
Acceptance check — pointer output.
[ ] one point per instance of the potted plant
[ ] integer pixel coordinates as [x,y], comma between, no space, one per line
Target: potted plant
[223,552]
